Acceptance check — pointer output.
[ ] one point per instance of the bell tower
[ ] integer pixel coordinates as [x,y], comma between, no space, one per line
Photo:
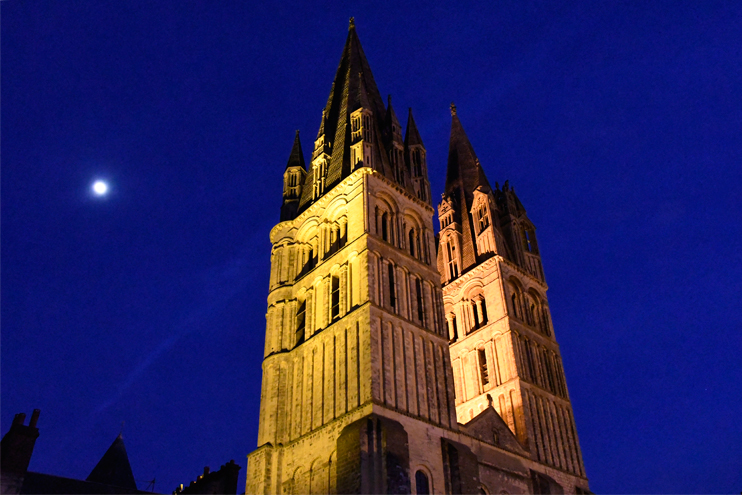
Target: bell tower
[503,347]
[356,349]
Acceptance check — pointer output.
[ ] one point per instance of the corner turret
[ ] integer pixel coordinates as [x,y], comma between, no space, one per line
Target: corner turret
[416,161]
[293,178]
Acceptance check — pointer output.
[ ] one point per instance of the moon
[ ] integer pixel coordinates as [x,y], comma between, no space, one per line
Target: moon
[100,188]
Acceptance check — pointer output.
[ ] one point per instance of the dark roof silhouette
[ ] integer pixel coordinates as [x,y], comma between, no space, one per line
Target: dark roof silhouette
[114,468]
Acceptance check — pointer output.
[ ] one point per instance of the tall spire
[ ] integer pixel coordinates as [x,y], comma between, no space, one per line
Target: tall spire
[353,87]
[463,176]
[296,158]
[463,164]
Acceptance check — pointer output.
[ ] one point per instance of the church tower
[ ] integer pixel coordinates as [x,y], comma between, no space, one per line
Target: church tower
[503,347]
[357,389]
[356,347]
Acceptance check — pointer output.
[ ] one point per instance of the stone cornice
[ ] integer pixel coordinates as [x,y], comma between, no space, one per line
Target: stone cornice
[462,279]
[325,199]
[398,188]
[518,269]
[473,272]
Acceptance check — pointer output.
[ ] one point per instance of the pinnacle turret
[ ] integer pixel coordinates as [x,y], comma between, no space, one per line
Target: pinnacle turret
[293,178]
[296,158]
[412,136]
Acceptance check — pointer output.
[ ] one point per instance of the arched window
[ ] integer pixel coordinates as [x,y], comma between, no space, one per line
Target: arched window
[453,266]
[454,329]
[483,309]
[476,314]
[544,321]
[422,485]
[514,300]
[532,313]
[385,226]
[411,242]
[419,294]
[310,261]
[343,232]
[301,321]
[484,220]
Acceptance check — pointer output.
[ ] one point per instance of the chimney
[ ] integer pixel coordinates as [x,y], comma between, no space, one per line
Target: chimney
[34,418]
[17,445]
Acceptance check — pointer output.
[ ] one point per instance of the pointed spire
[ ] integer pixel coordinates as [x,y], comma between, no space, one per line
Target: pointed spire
[463,164]
[345,87]
[412,136]
[463,177]
[353,87]
[389,109]
[296,158]
[114,468]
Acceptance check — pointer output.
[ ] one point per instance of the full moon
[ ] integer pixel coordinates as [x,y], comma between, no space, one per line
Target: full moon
[100,188]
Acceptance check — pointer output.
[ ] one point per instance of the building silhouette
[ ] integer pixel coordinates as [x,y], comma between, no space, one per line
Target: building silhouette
[393,363]
[112,474]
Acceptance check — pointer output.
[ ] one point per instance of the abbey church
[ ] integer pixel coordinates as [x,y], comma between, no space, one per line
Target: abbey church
[396,362]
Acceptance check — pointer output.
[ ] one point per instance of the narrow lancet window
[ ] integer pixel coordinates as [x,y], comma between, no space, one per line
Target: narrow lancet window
[335,310]
[301,322]
[484,373]
[419,294]
[385,226]
[453,268]
[392,288]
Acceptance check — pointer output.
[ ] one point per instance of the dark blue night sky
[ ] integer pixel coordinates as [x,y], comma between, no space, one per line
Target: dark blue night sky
[618,123]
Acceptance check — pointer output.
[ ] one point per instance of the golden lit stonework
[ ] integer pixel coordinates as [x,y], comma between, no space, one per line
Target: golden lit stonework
[377,378]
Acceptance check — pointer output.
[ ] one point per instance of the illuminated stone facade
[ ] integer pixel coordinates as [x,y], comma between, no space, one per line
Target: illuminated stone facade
[358,391]
[503,348]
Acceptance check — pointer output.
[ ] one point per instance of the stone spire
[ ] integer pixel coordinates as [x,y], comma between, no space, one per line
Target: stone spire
[463,176]
[353,88]
[412,135]
[293,178]
[463,165]
[296,158]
